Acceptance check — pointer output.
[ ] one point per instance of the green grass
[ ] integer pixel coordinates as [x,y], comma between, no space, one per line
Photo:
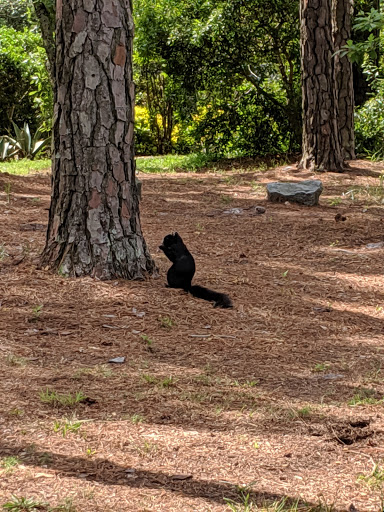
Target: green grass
[136,418]
[166,322]
[100,370]
[9,463]
[361,399]
[149,379]
[22,504]
[153,164]
[304,412]
[375,479]
[24,167]
[67,425]
[173,163]
[3,252]
[245,504]
[375,193]
[14,360]
[321,367]
[57,399]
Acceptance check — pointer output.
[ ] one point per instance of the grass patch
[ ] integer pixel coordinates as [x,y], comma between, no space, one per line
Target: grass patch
[168,382]
[147,340]
[174,163]
[8,464]
[14,360]
[100,370]
[372,192]
[24,167]
[146,448]
[66,506]
[304,412]
[226,199]
[364,400]
[245,504]
[3,252]
[22,504]
[375,479]
[58,399]
[321,367]
[36,312]
[166,322]
[149,379]
[67,426]
[365,396]
[136,419]
[16,412]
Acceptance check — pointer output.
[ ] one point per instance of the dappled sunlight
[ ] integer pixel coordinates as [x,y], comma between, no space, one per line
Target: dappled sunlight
[290,370]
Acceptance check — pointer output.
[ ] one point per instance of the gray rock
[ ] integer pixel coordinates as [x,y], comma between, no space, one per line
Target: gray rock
[305,192]
[377,245]
[117,360]
[234,211]
[333,376]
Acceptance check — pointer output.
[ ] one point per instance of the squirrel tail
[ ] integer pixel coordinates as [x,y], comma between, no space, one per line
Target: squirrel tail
[221,300]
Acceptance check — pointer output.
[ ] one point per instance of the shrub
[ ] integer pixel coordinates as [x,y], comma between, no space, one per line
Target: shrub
[25,89]
[369,126]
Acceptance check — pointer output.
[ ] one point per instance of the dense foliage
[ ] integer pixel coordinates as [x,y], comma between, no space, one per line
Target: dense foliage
[218,76]
[366,51]
[225,73]
[25,89]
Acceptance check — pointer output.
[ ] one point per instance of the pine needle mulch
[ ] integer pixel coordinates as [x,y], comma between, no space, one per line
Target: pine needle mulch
[279,398]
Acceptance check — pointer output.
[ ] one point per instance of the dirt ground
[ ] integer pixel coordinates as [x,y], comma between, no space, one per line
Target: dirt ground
[281,397]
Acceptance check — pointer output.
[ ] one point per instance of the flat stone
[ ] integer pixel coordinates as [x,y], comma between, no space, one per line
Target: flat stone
[377,245]
[117,360]
[305,192]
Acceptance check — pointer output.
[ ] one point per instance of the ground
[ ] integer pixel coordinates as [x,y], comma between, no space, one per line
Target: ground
[279,398]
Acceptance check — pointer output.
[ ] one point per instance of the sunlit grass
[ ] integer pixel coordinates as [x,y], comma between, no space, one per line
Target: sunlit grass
[25,166]
[173,163]
[151,164]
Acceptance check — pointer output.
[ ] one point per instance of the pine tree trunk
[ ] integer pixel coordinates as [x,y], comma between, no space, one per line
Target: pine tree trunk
[94,222]
[321,139]
[342,25]
[46,17]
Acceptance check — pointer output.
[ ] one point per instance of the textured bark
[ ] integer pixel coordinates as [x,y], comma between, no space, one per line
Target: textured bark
[94,222]
[46,19]
[342,24]
[321,138]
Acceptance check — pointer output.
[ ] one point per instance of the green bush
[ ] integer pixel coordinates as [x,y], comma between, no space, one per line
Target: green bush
[244,124]
[369,126]
[145,139]
[25,89]
[16,13]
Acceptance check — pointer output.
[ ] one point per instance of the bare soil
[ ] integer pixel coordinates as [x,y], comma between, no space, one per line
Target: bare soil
[281,397]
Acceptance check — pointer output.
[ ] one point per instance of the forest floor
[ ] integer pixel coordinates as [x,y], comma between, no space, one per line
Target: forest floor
[281,398]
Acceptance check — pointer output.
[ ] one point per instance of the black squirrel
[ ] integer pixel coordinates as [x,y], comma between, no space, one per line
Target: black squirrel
[181,273]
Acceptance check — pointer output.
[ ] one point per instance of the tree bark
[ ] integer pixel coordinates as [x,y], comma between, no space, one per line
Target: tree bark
[46,17]
[342,25]
[94,223]
[321,139]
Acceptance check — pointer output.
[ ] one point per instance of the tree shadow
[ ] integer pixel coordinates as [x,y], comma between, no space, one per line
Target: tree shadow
[106,472]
